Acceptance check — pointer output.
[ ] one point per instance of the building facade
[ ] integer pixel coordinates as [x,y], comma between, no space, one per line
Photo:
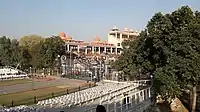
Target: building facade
[116,37]
[97,46]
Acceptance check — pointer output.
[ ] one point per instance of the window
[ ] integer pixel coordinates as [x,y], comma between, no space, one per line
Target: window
[118,44]
[118,36]
[124,36]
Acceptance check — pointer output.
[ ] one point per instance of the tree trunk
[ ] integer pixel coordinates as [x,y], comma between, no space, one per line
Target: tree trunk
[194,98]
[190,99]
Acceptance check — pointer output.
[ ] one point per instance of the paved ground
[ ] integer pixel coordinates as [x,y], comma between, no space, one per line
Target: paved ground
[40,84]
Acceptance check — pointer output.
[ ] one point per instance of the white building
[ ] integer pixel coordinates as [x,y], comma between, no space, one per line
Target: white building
[111,46]
[116,37]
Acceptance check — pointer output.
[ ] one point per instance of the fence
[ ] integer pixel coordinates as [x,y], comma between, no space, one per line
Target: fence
[35,99]
[70,73]
[136,102]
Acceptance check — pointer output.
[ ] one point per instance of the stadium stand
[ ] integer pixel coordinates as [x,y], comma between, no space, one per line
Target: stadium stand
[104,92]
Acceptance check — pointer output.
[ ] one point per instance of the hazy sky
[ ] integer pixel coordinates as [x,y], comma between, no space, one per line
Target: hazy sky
[83,19]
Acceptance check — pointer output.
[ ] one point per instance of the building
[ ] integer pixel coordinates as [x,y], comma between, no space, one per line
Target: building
[116,37]
[97,46]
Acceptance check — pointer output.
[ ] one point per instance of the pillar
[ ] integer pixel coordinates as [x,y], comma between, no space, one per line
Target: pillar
[104,49]
[68,47]
[122,105]
[130,100]
[136,98]
[107,106]
[115,107]
[149,93]
[86,50]
[111,50]
[99,50]
[143,95]
[134,102]
[126,102]
[116,50]
[120,52]
[106,69]
[78,50]
[92,49]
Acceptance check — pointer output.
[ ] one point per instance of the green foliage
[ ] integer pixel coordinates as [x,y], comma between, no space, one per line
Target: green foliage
[30,51]
[47,51]
[5,50]
[30,40]
[168,49]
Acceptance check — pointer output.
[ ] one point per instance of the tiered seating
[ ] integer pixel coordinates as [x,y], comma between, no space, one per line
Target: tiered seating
[23,108]
[11,73]
[102,91]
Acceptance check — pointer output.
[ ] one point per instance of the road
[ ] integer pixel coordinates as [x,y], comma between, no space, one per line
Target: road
[35,84]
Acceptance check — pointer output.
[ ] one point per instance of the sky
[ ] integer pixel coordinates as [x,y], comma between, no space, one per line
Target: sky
[82,19]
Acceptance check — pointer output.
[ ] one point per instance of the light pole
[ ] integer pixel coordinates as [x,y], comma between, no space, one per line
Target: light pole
[153,97]
[151,80]
[57,61]
[32,79]
[117,75]
[30,71]
[100,74]
[43,71]
[70,60]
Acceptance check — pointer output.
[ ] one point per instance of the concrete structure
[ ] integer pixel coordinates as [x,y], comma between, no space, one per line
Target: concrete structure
[97,46]
[10,73]
[116,37]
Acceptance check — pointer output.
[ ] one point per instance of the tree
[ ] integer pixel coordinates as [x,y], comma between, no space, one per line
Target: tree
[21,56]
[5,50]
[169,50]
[14,43]
[46,52]
[30,40]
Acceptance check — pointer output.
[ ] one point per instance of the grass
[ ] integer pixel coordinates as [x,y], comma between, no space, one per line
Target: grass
[32,96]
[13,82]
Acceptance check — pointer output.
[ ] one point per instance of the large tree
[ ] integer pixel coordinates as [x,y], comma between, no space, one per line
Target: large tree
[5,50]
[12,54]
[46,52]
[169,50]
[30,40]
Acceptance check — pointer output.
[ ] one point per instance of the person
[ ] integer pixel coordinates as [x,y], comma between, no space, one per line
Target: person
[100,108]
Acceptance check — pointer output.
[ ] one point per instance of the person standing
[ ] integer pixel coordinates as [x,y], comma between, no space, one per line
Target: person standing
[100,108]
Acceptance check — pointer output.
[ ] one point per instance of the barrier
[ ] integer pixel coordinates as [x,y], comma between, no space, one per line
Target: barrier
[135,102]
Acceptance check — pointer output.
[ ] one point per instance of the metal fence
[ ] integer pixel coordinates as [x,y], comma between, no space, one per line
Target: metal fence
[136,102]
[35,99]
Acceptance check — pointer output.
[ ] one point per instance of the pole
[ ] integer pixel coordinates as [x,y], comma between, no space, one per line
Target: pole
[91,74]
[30,71]
[95,73]
[100,75]
[70,60]
[152,92]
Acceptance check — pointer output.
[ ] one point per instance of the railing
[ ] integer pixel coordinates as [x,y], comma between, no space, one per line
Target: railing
[34,99]
[135,102]
[137,81]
